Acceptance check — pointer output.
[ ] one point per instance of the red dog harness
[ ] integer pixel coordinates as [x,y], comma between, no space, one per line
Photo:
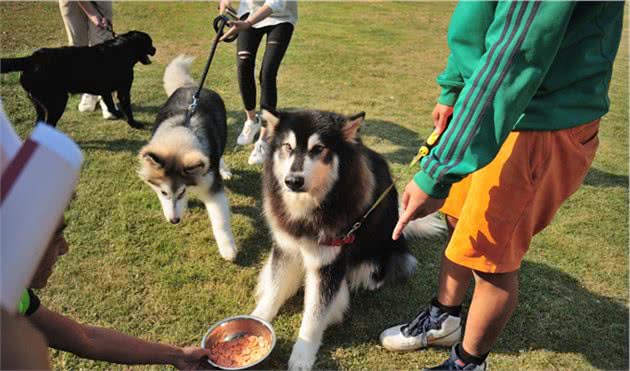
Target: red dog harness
[347,240]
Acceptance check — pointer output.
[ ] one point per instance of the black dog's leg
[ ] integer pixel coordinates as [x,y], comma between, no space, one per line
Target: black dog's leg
[111,107]
[39,108]
[124,98]
[55,105]
[49,105]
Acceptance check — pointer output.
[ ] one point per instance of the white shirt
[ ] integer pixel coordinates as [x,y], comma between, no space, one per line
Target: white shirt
[282,11]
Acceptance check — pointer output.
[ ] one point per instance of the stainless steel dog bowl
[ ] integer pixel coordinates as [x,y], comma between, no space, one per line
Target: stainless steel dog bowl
[235,327]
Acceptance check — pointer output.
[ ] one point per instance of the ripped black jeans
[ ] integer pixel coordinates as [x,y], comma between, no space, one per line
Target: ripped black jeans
[278,38]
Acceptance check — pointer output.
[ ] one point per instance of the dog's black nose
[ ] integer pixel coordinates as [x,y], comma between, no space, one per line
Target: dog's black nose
[175,220]
[295,183]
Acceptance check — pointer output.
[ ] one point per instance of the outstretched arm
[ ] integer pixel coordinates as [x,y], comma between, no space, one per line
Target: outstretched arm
[112,346]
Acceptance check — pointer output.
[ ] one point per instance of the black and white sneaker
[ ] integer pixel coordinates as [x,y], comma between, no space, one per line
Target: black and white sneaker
[455,363]
[430,327]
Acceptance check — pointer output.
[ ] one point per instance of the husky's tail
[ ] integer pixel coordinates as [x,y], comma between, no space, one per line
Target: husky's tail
[400,266]
[15,64]
[177,74]
[431,226]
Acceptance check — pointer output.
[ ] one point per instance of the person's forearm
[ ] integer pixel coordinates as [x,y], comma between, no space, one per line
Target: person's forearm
[262,13]
[113,346]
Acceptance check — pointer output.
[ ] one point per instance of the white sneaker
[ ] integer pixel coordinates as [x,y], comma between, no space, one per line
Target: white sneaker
[88,102]
[259,153]
[106,114]
[430,327]
[250,129]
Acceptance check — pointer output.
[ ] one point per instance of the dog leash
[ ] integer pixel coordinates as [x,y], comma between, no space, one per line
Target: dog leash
[219,24]
[424,150]
[109,27]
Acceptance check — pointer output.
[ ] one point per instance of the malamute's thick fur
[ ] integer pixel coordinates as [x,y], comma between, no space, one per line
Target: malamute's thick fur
[181,159]
[319,179]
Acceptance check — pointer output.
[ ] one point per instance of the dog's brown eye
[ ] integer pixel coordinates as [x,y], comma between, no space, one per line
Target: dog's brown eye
[164,193]
[287,147]
[181,195]
[316,150]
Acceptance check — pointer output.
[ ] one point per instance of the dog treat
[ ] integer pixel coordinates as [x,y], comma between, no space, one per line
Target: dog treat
[239,352]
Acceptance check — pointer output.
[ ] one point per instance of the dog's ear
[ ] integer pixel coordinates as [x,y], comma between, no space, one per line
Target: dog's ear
[151,158]
[272,120]
[351,127]
[195,163]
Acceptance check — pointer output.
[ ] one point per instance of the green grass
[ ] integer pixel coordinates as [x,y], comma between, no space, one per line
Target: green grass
[130,270]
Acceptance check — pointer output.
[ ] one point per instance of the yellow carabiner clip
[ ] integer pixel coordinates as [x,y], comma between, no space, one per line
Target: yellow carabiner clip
[426,147]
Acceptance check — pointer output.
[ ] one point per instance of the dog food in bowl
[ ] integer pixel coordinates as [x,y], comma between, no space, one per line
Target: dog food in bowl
[239,352]
[238,343]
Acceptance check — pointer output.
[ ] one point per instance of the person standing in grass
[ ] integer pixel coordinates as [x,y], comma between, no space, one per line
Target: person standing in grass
[92,342]
[525,86]
[87,25]
[276,20]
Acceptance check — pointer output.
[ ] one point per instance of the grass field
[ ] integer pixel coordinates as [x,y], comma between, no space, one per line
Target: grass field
[130,270]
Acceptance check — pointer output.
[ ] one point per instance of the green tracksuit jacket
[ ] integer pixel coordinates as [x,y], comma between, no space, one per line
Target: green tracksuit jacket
[527,65]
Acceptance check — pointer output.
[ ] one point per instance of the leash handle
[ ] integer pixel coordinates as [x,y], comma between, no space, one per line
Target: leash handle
[228,15]
[109,27]
[426,147]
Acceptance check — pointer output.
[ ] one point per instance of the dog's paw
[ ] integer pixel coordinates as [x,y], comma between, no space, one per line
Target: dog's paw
[226,174]
[303,356]
[228,250]
[112,114]
[135,124]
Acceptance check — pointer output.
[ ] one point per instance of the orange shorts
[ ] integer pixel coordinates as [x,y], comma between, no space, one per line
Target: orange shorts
[503,205]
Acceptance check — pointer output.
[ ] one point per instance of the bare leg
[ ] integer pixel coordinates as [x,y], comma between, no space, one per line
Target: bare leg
[494,301]
[454,278]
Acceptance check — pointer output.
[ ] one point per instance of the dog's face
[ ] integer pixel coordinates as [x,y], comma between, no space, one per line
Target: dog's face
[143,45]
[305,150]
[170,175]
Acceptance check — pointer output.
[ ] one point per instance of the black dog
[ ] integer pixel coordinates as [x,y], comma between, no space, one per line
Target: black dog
[49,74]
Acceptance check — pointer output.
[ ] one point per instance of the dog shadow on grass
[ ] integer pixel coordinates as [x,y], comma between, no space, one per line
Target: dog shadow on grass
[115,145]
[255,247]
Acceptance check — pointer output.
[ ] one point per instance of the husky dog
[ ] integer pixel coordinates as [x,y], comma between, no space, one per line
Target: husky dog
[319,179]
[184,158]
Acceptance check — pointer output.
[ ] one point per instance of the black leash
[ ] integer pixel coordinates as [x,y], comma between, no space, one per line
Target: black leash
[219,24]
[109,27]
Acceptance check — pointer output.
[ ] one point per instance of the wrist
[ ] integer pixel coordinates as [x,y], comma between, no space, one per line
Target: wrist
[249,22]
[430,186]
[173,355]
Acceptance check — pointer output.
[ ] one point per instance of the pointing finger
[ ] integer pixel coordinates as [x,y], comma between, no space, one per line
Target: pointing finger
[402,222]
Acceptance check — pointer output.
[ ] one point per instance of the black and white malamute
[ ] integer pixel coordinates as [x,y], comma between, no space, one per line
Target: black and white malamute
[187,158]
[319,179]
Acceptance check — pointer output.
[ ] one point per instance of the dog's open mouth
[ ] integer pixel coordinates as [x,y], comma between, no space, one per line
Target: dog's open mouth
[145,58]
